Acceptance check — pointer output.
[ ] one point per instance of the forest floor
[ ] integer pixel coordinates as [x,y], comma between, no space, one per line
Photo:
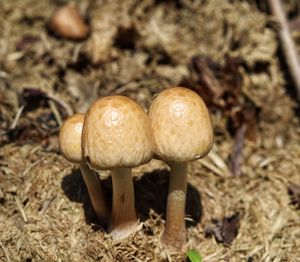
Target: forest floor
[243,198]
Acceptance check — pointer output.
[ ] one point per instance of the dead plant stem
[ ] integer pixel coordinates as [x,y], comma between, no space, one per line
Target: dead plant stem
[287,43]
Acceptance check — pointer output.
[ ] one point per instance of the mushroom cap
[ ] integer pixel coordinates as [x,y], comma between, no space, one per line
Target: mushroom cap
[181,125]
[70,138]
[68,23]
[116,133]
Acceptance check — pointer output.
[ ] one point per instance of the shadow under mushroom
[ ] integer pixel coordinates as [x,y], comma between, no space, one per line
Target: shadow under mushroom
[151,192]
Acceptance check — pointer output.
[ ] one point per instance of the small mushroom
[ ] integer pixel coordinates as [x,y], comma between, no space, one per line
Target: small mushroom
[182,132]
[117,136]
[67,22]
[70,146]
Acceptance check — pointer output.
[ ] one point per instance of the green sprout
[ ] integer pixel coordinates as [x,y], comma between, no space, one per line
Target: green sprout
[193,256]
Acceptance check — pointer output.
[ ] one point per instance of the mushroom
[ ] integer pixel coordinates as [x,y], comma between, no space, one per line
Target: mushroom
[117,136]
[67,22]
[70,146]
[182,132]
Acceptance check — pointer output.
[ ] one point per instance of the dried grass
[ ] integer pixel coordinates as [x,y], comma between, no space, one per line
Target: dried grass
[45,214]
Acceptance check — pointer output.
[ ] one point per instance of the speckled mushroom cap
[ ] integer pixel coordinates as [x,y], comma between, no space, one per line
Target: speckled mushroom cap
[70,138]
[116,133]
[181,125]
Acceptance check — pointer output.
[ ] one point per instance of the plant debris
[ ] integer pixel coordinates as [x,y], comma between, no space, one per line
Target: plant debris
[236,157]
[67,22]
[294,192]
[35,98]
[225,230]
[137,48]
[220,86]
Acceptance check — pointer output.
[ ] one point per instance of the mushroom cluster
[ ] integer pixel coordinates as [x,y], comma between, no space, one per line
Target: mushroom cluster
[116,134]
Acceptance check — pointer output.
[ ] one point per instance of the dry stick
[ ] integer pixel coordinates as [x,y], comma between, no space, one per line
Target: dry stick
[62,103]
[55,112]
[21,209]
[236,157]
[17,117]
[287,42]
[5,252]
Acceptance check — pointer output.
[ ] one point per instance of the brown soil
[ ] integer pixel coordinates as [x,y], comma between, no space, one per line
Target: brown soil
[138,48]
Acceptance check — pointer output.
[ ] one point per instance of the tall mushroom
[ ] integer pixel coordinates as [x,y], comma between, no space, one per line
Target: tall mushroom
[117,135]
[182,132]
[70,146]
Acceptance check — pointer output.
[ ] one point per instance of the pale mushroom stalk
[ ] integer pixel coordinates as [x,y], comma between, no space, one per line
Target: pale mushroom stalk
[96,193]
[70,146]
[123,218]
[182,133]
[176,200]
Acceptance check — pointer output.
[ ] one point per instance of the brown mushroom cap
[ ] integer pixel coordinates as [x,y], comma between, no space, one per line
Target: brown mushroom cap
[67,22]
[181,125]
[116,133]
[70,138]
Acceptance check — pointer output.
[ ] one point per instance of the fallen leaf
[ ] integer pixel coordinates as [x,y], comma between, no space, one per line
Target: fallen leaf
[245,115]
[219,86]
[204,67]
[294,192]
[26,42]
[229,228]
[225,230]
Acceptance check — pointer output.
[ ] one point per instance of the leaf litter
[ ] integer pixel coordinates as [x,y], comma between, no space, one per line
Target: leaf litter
[224,49]
[225,230]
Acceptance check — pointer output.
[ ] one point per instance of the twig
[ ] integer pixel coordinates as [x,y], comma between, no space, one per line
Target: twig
[62,103]
[287,43]
[28,168]
[17,117]
[21,209]
[46,204]
[5,251]
[218,161]
[213,168]
[236,157]
[28,92]
[55,112]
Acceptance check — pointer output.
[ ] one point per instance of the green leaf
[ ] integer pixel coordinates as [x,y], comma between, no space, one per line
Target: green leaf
[193,256]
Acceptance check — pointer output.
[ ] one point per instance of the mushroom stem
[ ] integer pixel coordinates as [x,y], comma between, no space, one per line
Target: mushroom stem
[95,193]
[174,236]
[123,218]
